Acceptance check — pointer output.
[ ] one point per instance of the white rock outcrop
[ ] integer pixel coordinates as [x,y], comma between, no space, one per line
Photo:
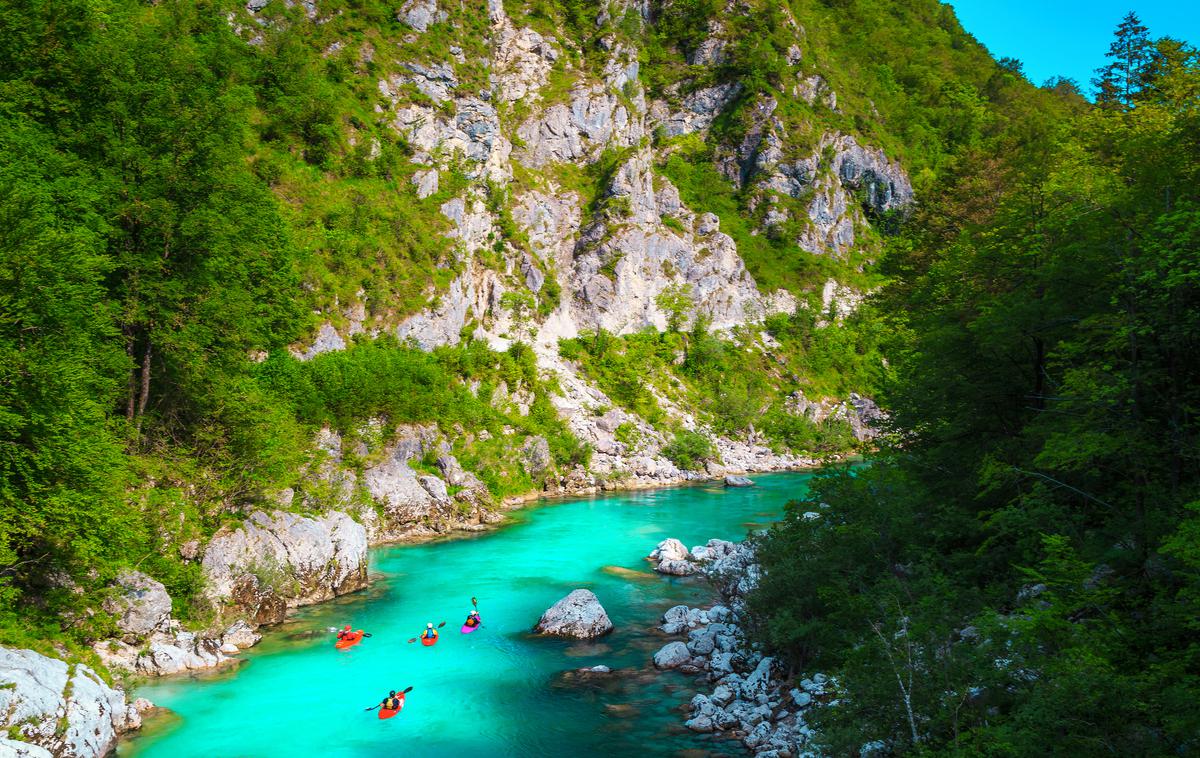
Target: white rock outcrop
[280,560]
[578,615]
[66,710]
[141,604]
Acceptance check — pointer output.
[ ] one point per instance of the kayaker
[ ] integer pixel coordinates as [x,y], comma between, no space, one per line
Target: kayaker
[472,619]
[429,632]
[391,702]
[344,633]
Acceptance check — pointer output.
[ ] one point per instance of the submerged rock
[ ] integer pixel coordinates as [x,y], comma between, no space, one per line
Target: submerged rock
[577,615]
[738,481]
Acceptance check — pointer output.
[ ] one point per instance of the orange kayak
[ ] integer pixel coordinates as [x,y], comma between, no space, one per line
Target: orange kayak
[387,713]
[429,641]
[350,640]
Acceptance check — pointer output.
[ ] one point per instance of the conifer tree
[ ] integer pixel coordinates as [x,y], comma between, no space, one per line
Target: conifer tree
[1119,83]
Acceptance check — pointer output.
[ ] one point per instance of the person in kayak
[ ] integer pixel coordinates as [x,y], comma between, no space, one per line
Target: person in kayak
[391,702]
[344,633]
[429,632]
[472,619]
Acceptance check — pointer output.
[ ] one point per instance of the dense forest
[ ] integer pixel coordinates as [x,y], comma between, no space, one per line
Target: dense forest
[1018,571]
[189,189]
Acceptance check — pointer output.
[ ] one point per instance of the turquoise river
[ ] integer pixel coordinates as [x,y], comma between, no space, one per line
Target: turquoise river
[499,691]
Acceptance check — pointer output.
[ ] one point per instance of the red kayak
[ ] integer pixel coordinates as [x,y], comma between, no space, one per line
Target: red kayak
[466,629]
[350,640]
[387,713]
[430,641]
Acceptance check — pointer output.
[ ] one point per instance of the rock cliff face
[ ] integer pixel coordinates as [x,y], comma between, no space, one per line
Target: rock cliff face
[59,709]
[556,150]
[279,560]
[610,265]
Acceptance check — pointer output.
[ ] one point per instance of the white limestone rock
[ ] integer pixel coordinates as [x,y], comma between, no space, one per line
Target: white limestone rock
[669,549]
[241,635]
[142,604]
[310,559]
[578,615]
[420,14]
[672,655]
[38,694]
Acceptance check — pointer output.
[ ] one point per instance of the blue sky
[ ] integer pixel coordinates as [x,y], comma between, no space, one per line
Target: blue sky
[1069,37]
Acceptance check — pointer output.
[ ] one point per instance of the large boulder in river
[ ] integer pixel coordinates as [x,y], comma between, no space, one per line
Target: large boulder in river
[141,605]
[673,558]
[738,481]
[669,550]
[577,615]
[281,560]
[66,709]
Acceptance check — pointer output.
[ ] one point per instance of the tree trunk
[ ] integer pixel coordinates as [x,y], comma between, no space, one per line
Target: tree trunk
[144,397]
[131,398]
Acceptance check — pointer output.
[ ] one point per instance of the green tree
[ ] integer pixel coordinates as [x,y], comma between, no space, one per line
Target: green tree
[1119,83]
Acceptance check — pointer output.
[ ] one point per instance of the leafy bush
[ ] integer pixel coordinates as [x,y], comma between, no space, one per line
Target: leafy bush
[689,450]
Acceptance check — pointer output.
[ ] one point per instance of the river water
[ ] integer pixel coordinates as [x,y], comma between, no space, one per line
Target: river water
[498,691]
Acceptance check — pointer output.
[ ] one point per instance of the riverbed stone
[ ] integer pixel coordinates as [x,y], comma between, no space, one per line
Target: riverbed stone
[578,615]
[702,641]
[676,568]
[675,620]
[670,549]
[738,481]
[240,634]
[672,655]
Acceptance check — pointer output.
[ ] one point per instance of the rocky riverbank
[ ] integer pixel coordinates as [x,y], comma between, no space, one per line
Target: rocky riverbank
[747,696]
[60,709]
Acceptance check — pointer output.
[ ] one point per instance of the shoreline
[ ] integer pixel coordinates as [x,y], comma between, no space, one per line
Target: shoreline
[514,503]
[508,506]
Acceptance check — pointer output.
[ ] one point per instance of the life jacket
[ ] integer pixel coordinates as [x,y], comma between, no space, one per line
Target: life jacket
[472,621]
[391,703]
[429,633]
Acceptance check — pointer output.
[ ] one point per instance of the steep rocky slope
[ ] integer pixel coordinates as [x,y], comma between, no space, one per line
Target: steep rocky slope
[565,223]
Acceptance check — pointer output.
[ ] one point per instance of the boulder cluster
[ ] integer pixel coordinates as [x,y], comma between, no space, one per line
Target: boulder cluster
[752,699]
[673,558]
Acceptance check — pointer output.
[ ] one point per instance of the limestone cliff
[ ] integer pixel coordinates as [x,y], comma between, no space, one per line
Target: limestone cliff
[554,107]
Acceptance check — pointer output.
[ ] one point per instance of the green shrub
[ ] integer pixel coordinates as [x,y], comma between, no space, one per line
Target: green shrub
[689,450]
